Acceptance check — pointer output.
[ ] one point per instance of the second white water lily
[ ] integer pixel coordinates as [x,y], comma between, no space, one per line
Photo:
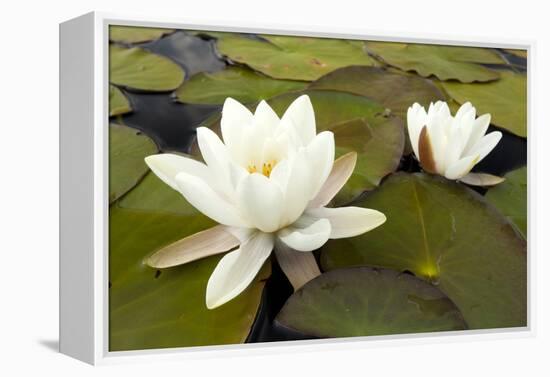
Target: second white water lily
[452,145]
[267,184]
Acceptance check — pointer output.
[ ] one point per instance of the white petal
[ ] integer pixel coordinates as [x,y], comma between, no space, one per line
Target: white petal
[461,167]
[199,245]
[301,114]
[298,266]
[341,171]
[166,166]
[479,127]
[264,116]
[416,120]
[262,202]
[217,159]
[481,179]
[308,238]
[201,196]
[464,109]
[297,192]
[349,221]
[484,146]
[320,153]
[235,117]
[237,270]
[213,151]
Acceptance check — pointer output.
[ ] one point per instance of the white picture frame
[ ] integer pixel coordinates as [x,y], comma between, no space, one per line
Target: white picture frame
[84,191]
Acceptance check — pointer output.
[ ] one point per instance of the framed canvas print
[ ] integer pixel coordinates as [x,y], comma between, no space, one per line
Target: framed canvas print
[226,187]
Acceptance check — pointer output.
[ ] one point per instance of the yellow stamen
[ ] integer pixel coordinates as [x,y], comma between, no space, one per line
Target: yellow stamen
[252,168]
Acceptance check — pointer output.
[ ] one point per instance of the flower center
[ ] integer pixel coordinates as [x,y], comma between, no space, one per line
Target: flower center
[266,168]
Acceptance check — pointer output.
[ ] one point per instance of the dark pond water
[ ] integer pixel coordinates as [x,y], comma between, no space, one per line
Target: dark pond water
[172,125]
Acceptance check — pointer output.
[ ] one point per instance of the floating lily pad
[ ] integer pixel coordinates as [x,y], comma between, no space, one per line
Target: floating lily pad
[118,103]
[151,308]
[449,235]
[510,197]
[241,84]
[294,58]
[444,62]
[395,91]
[505,100]
[364,301]
[127,149]
[135,34]
[359,124]
[137,68]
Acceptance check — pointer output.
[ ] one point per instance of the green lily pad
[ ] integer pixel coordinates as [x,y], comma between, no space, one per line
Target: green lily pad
[359,125]
[135,34]
[118,103]
[394,91]
[159,309]
[294,58]
[505,100]
[444,62]
[364,301]
[127,149]
[449,235]
[137,68]
[510,197]
[241,84]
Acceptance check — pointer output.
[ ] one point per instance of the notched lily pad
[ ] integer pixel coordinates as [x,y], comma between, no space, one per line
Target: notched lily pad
[151,308]
[395,91]
[505,100]
[241,84]
[138,68]
[127,149]
[449,235]
[510,197]
[364,301]
[294,58]
[136,34]
[118,103]
[444,62]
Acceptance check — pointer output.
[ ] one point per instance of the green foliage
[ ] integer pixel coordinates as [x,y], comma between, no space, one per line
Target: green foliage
[294,58]
[137,68]
[510,197]
[127,149]
[447,234]
[158,309]
[364,301]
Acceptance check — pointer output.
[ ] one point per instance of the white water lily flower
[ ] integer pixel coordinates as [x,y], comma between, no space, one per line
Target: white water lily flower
[451,146]
[267,184]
